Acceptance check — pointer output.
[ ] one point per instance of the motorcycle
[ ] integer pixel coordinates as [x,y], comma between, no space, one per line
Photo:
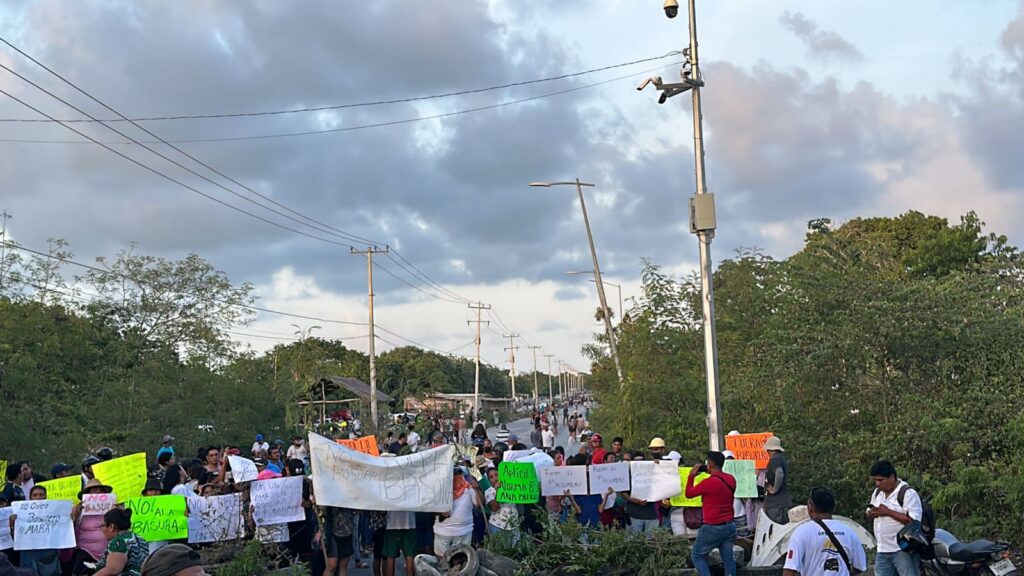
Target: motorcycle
[955,558]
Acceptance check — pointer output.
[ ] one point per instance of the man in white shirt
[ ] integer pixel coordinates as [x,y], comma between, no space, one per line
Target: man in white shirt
[813,553]
[259,447]
[547,437]
[297,451]
[894,504]
[413,439]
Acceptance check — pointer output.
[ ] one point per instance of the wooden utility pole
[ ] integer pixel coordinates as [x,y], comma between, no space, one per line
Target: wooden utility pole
[551,396]
[512,362]
[369,252]
[476,382]
[536,399]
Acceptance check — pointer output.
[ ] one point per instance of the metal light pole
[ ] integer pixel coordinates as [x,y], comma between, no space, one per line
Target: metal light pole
[617,286]
[612,348]
[702,215]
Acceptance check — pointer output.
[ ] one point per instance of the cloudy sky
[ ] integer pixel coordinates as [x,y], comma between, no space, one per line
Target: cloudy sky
[812,109]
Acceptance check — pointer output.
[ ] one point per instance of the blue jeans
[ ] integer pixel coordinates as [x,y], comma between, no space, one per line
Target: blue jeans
[719,536]
[897,563]
[643,526]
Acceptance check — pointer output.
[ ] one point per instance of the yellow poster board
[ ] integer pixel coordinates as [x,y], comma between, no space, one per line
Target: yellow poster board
[66,488]
[126,475]
[682,500]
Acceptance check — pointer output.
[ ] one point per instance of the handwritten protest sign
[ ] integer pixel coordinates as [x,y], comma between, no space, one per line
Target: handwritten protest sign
[556,480]
[419,482]
[66,488]
[158,518]
[746,477]
[681,499]
[126,475]
[653,481]
[604,476]
[43,525]
[242,469]
[749,447]
[277,501]
[3,470]
[97,504]
[273,533]
[215,518]
[519,484]
[366,445]
[6,541]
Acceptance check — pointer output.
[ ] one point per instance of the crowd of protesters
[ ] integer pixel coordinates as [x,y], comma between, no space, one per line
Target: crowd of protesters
[333,539]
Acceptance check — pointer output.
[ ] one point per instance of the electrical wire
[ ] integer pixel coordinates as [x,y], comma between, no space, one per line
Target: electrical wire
[361,126]
[416,272]
[329,230]
[358,104]
[14,246]
[381,267]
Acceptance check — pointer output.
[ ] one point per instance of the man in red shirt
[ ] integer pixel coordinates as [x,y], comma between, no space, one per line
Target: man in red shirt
[597,445]
[719,530]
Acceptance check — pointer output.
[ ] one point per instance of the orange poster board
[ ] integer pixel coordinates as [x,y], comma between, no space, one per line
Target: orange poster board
[366,445]
[749,447]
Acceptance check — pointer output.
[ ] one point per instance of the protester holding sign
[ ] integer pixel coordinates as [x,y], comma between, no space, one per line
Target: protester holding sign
[42,561]
[89,535]
[504,520]
[126,551]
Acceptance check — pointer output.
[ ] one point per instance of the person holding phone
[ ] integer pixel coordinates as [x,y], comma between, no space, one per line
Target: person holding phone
[719,529]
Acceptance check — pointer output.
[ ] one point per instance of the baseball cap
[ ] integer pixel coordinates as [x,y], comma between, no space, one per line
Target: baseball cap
[167,438]
[512,438]
[259,437]
[657,443]
[260,461]
[596,436]
[170,560]
[59,468]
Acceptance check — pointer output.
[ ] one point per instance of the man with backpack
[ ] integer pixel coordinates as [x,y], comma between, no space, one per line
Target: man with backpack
[719,529]
[824,546]
[894,505]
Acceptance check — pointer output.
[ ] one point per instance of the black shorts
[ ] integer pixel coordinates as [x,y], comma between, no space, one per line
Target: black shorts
[339,546]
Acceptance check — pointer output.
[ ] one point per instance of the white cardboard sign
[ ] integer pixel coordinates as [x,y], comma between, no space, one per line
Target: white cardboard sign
[242,469]
[43,525]
[277,501]
[97,504]
[654,480]
[215,518]
[603,476]
[6,541]
[554,481]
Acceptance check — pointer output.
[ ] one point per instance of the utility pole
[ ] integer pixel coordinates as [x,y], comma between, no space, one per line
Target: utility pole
[704,236]
[512,362]
[551,396]
[476,381]
[536,399]
[369,252]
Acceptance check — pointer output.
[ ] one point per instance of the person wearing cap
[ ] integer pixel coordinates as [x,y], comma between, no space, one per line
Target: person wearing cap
[597,445]
[777,499]
[174,560]
[259,447]
[61,470]
[165,445]
[657,448]
[89,536]
[718,530]
[87,468]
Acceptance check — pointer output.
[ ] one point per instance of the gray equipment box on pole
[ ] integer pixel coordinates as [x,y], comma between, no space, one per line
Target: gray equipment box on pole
[702,213]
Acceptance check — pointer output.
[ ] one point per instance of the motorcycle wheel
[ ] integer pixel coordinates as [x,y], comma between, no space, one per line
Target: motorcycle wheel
[932,568]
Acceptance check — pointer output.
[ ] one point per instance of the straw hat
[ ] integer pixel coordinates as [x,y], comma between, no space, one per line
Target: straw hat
[773,444]
[657,443]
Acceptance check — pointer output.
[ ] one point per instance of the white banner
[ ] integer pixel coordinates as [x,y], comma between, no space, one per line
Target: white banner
[43,525]
[536,456]
[419,482]
[277,501]
[215,518]
[554,481]
[654,480]
[603,476]
[242,469]
[6,541]
[97,504]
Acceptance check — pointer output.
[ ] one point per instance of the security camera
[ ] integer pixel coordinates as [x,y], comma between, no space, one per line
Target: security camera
[671,8]
[656,80]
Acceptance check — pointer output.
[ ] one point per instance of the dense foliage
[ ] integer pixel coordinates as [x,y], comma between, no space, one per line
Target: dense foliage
[140,346]
[898,338]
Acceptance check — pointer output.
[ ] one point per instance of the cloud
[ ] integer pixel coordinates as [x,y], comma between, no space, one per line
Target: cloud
[823,45]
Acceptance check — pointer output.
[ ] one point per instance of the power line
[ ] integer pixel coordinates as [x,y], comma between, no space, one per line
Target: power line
[358,104]
[14,246]
[359,127]
[416,272]
[381,267]
[330,230]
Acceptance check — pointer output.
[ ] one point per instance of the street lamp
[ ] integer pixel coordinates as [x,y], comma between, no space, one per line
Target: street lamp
[597,271]
[617,286]
[702,215]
